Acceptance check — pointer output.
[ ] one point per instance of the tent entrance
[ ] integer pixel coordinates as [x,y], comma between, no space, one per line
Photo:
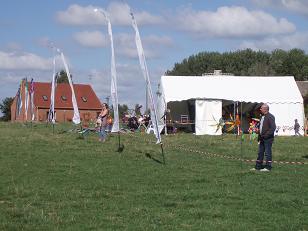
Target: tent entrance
[244,111]
[181,115]
[203,116]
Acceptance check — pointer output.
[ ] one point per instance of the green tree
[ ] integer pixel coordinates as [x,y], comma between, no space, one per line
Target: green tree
[62,77]
[138,109]
[277,60]
[260,69]
[122,109]
[246,63]
[5,108]
[295,63]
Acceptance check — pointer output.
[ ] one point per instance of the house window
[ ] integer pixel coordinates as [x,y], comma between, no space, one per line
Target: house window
[84,99]
[45,98]
[63,97]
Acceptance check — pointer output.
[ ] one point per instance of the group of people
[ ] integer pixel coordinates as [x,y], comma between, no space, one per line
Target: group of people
[102,123]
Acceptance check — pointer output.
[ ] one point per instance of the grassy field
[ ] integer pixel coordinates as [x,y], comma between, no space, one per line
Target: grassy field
[57,181]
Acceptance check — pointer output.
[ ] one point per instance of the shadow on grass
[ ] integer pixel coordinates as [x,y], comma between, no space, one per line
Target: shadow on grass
[306,156]
[120,148]
[152,158]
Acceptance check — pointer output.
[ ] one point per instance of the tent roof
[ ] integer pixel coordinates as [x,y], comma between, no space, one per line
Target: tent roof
[281,89]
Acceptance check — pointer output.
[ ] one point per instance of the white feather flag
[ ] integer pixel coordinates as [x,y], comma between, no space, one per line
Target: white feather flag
[51,114]
[114,90]
[147,79]
[76,117]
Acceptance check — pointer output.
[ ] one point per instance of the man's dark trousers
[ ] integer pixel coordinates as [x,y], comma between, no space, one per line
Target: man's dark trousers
[265,146]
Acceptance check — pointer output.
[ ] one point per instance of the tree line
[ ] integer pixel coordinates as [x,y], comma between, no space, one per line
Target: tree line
[246,63]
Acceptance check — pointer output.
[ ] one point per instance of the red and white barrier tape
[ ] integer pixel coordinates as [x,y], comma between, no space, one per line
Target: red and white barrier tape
[179,147]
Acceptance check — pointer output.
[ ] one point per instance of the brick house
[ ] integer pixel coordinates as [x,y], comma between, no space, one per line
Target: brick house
[88,103]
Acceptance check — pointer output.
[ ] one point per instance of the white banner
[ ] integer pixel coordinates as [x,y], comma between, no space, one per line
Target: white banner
[51,114]
[26,98]
[20,98]
[76,117]
[147,79]
[114,90]
[32,99]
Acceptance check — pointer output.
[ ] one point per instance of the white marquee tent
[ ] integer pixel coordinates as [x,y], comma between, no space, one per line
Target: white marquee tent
[208,93]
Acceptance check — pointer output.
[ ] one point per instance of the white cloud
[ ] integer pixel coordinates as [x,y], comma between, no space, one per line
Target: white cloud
[119,14]
[44,42]
[10,79]
[131,84]
[125,45]
[297,40]
[153,45]
[91,39]
[77,15]
[13,46]
[23,61]
[236,22]
[299,6]
[158,40]
[265,3]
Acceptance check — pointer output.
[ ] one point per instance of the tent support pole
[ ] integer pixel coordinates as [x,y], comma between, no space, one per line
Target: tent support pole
[119,140]
[162,152]
[242,135]
[120,147]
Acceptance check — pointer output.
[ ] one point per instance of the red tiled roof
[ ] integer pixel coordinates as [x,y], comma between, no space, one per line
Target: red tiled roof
[63,90]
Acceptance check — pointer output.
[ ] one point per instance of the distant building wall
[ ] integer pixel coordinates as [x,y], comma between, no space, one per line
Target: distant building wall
[66,115]
[88,109]
[62,115]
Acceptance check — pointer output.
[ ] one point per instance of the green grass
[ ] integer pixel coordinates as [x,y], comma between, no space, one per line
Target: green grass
[61,182]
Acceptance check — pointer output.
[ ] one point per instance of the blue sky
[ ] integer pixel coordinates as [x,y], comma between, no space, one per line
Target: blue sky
[170,31]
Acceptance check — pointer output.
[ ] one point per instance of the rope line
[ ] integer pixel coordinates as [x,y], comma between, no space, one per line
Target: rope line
[183,148]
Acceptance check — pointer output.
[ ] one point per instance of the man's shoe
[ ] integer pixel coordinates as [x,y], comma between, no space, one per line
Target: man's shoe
[265,170]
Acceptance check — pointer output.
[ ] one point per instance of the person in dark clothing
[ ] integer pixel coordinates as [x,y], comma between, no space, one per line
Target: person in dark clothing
[296,128]
[266,139]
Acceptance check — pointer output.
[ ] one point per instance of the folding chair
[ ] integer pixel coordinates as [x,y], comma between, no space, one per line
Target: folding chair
[184,119]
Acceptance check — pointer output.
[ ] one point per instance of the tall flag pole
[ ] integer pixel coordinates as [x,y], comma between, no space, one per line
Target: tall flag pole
[51,115]
[114,88]
[16,106]
[19,101]
[76,117]
[26,98]
[32,99]
[145,72]
[20,98]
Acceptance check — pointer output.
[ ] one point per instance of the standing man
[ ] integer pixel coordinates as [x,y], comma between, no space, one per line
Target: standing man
[266,139]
